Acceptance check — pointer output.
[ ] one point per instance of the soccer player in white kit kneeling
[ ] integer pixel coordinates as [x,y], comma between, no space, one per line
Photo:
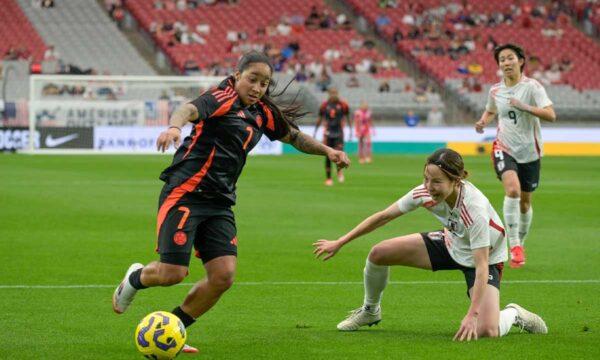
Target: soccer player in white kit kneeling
[520,103]
[472,240]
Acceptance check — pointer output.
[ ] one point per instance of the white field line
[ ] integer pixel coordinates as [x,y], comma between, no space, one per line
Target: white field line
[317,283]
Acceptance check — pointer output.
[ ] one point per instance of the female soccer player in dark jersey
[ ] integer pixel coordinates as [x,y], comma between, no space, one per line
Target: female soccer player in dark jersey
[195,203]
[334,114]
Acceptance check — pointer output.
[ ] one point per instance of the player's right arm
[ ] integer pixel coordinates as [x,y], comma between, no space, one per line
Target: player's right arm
[330,247]
[485,119]
[184,114]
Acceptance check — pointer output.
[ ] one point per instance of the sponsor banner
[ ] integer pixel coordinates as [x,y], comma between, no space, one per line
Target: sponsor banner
[17,138]
[67,138]
[468,134]
[88,113]
[142,139]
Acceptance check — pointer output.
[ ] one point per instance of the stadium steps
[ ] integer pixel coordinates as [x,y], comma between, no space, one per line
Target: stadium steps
[85,36]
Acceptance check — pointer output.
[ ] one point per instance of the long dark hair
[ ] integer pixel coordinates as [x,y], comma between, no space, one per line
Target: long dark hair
[514,48]
[450,162]
[288,114]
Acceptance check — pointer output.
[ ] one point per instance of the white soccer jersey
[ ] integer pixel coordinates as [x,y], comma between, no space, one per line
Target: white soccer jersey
[518,131]
[471,224]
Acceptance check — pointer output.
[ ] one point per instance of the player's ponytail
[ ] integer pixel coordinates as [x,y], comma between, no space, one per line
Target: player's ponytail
[288,114]
[450,162]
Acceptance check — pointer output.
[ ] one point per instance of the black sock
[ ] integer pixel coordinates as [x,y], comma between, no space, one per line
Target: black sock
[135,279]
[185,318]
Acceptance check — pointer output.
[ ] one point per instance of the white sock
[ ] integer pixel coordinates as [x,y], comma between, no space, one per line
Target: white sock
[508,317]
[375,279]
[524,224]
[511,220]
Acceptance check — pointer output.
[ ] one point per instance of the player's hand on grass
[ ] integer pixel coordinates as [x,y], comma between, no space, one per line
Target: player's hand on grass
[468,329]
[327,248]
[339,158]
[171,135]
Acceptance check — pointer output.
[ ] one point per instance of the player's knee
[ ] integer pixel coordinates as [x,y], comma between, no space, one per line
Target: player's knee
[513,191]
[490,331]
[376,255]
[222,281]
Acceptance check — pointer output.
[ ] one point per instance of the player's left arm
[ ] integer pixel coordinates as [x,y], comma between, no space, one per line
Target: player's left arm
[468,326]
[543,106]
[309,145]
[546,113]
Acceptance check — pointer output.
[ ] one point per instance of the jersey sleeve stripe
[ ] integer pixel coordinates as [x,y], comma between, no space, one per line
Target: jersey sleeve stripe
[269,114]
[181,190]
[224,108]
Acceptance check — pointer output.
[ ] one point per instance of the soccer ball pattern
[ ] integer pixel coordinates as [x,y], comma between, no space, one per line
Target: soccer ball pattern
[160,336]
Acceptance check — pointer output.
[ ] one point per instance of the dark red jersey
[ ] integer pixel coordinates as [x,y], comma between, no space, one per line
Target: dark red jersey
[210,160]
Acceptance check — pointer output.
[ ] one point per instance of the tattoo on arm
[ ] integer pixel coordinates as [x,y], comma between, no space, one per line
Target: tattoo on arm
[305,143]
[183,114]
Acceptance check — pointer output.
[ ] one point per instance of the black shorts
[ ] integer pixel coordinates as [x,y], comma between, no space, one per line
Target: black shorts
[528,173]
[199,223]
[441,260]
[335,142]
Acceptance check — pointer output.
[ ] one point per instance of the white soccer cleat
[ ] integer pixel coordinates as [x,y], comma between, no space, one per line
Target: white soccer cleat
[124,293]
[359,317]
[529,321]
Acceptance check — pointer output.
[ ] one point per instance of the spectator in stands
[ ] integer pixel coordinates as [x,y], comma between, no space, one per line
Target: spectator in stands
[314,18]
[283,28]
[462,68]
[565,64]
[421,90]
[353,82]
[382,21]
[491,43]
[301,74]
[46,4]
[384,86]
[388,4]
[51,53]
[475,68]
[11,54]
[553,73]
[324,80]
[190,66]
[435,117]
[342,22]
[397,36]
[411,119]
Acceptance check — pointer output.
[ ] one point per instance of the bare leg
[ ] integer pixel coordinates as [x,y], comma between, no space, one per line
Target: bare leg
[161,274]
[205,294]
[408,250]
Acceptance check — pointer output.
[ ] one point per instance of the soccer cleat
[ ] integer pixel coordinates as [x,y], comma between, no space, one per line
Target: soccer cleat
[124,293]
[189,349]
[517,256]
[328,182]
[528,321]
[341,178]
[359,317]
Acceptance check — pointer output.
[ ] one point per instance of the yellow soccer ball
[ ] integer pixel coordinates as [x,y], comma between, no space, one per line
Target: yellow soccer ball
[160,336]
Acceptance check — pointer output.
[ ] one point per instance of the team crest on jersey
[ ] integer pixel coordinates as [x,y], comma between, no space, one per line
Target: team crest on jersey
[241,114]
[180,238]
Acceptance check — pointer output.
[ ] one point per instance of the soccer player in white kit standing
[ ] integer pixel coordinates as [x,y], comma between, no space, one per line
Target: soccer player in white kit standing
[472,241]
[520,103]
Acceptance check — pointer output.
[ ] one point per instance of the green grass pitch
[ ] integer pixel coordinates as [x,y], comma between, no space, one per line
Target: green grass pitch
[81,220]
